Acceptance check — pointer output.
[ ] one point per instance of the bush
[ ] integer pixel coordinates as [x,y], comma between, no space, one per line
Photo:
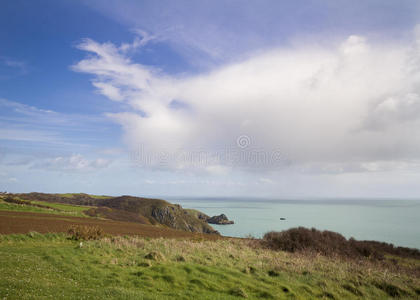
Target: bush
[81,232]
[155,255]
[11,199]
[324,242]
[332,244]
[299,239]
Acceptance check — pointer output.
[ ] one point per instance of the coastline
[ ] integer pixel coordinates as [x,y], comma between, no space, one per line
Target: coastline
[387,220]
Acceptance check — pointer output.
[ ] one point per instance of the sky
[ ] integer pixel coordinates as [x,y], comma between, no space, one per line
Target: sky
[277,99]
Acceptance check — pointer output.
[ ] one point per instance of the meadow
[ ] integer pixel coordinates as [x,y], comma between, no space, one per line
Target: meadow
[54,265]
[51,250]
[43,207]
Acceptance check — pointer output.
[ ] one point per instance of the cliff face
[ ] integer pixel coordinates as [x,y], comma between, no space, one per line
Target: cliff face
[160,211]
[133,209]
[176,217]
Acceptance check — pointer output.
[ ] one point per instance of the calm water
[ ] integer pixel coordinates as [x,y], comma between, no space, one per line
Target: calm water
[393,221]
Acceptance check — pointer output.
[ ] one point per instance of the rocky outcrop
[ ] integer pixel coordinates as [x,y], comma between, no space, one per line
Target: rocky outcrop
[220,220]
[175,217]
[132,209]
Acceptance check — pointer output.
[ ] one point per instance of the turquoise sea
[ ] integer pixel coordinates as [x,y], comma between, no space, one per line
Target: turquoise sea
[392,221]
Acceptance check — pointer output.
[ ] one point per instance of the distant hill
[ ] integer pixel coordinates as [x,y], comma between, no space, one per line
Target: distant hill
[130,209]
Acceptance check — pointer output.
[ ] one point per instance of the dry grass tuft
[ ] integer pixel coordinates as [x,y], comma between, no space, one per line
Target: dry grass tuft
[238,292]
[81,232]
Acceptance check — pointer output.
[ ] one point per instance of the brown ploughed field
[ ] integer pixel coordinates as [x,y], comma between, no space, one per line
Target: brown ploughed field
[24,222]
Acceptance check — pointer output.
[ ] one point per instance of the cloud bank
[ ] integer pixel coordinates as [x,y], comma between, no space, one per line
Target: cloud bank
[347,107]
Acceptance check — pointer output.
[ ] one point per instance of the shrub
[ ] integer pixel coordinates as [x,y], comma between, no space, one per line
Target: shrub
[299,239]
[180,258]
[324,242]
[14,200]
[155,255]
[81,232]
[332,244]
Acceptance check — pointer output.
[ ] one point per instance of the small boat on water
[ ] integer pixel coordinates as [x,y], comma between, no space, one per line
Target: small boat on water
[282,219]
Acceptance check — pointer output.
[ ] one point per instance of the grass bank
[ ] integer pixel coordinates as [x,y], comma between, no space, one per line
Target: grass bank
[53,266]
[44,207]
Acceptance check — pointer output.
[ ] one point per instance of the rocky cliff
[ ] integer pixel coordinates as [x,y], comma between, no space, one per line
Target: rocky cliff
[132,209]
[176,217]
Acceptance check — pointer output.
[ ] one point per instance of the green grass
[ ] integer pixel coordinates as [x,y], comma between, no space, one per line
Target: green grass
[193,212]
[64,207]
[24,208]
[54,208]
[51,266]
[71,195]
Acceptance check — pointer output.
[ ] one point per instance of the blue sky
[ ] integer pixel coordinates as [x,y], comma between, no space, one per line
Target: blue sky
[211,98]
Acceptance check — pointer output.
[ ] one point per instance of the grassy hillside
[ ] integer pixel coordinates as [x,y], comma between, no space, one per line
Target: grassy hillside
[43,207]
[24,222]
[123,208]
[52,266]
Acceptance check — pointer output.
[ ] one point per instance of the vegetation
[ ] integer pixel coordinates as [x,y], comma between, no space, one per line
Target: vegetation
[65,207]
[330,243]
[56,266]
[24,222]
[117,215]
[124,248]
[123,208]
[17,204]
[81,232]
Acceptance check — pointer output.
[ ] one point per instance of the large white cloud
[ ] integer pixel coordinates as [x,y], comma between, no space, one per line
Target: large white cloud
[337,108]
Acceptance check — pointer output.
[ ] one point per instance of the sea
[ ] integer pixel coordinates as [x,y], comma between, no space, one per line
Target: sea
[392,221]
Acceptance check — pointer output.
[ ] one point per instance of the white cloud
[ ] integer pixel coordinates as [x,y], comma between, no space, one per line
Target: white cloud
[138,42]
[75,162]
[393,110]
[266,180]
[217,170]
[315,105]
[109,91]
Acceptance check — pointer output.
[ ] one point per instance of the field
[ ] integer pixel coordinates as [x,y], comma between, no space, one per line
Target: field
[131,260]
[51,266]
[24,222]
[122,208]
[45,207]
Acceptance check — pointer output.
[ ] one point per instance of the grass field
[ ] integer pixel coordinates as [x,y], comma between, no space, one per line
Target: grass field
[51,208]
[71,195]
[123,208]
[52,266]
[24,222]
[142,261]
